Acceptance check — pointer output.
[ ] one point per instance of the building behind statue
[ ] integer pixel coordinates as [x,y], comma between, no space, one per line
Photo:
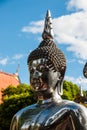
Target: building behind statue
[7,79]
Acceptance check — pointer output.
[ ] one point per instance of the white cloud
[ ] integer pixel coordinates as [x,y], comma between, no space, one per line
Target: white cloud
[81,62]
[17,56]
[72,30]
[77,4]
[4,61]
[71,60]
[34,27]
[68,29]
[79,81]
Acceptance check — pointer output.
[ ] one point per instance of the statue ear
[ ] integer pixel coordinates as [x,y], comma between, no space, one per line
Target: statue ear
[60,88]
[59,84]
[58,76]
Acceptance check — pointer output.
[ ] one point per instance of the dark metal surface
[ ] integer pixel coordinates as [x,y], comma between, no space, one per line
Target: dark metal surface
[49,115]
[47,65]
[85,70]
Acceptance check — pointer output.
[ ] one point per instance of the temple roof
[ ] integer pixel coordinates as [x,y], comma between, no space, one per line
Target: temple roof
[7,79]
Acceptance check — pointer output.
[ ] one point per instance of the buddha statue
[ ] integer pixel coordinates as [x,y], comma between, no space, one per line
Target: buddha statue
[47,66]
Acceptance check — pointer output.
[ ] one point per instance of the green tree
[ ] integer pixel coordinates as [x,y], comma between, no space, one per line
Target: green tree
[70,90]
[14,99]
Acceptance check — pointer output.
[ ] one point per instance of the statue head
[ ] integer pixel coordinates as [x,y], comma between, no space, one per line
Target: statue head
[47,63]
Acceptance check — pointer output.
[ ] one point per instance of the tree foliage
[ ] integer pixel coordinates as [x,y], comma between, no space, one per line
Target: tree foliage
[14,99]
[70,90]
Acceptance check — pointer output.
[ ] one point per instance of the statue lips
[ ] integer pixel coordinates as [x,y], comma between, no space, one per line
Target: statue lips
[39,85]
[44,87]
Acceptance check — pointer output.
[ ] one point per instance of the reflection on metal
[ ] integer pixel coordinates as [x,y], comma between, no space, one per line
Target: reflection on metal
[85,70]
[65,115]
[47,65]
[48,29]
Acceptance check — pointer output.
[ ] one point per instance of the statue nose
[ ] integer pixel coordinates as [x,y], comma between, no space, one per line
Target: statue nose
[36,74]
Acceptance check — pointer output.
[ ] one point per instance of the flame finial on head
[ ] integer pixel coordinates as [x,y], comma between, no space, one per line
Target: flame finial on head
[47,49]
[48,29]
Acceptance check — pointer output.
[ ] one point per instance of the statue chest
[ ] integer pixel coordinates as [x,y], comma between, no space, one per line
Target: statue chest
[47,117]
[35,118]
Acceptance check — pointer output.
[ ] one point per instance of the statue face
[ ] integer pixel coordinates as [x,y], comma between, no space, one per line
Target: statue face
[41,76]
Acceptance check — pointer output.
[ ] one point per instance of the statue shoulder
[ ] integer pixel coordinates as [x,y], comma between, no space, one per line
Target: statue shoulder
[67,115]
[51,116]
[20,116]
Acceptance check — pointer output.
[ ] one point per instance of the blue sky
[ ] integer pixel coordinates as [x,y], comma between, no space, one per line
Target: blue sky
[21,27]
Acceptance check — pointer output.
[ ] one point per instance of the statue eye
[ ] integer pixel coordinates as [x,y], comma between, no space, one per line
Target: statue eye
[40,68]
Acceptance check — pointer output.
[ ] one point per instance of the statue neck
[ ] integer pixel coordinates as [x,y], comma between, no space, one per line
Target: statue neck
[54,96]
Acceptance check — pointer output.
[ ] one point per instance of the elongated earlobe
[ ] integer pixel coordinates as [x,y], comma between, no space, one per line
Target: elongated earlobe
[60,88]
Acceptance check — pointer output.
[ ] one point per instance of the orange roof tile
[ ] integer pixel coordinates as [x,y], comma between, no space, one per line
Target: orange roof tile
[7,79]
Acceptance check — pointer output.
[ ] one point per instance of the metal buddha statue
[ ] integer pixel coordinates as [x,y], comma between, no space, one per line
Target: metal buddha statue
[47,66]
